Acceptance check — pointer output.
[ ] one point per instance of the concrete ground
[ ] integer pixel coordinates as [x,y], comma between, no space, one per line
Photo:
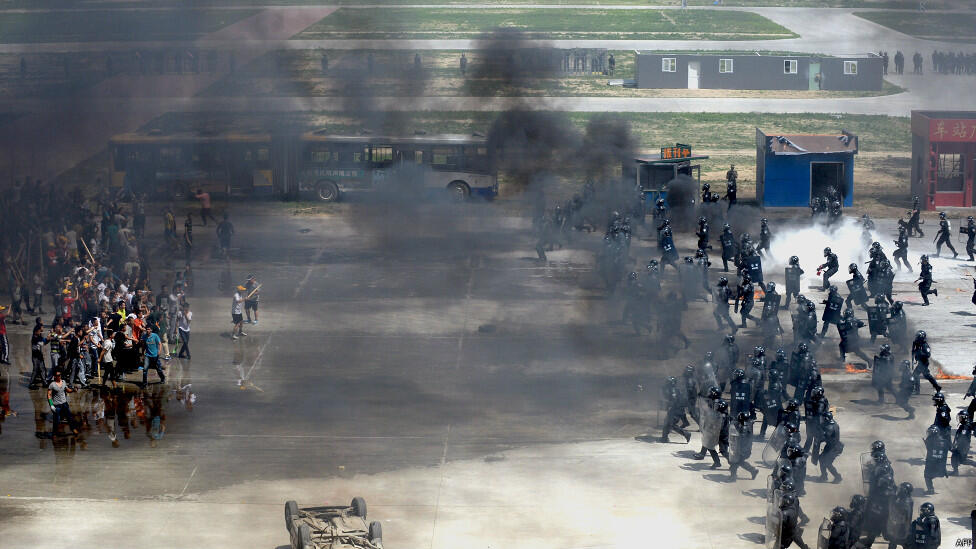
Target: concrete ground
[423,359]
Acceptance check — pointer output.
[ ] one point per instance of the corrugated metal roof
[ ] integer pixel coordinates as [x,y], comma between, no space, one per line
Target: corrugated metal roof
[812,144]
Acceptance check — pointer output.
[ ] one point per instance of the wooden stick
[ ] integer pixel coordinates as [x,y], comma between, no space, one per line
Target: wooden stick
[90,256]
[256,288]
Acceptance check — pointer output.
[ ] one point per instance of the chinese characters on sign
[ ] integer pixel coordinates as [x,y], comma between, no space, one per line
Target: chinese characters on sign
[952,130]
[677,151]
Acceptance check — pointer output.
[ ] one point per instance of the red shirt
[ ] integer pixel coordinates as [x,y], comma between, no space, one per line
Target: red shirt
[3,324]
[67,302]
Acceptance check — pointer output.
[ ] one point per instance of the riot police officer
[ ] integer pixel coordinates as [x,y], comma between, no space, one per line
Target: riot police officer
[669,254]
[898,325]
[828,268]
[702,234]
[943,415]
[914,220]
[691,388]
[901,250]
[728,358]
[731,185]
[740,393]
[900,511]
[793,274]
[832,447]
[959,452]
[925,281]
[905,388]
[832,311]
[770,315]
[926,533]
[740,445]
[746,296]
[970,231]
[764,237]
[727,240]
[858,295]
[944,236]
[878,317]
[881,374]
[790,531]
[675,405]
[936,453]
[839,533]
[814,408]
[921,353]
[721,297]
[850,340]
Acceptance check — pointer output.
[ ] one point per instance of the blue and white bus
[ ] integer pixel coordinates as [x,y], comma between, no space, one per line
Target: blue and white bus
[336,165]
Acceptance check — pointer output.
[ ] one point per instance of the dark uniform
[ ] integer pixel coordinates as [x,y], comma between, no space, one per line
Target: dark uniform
[901,250]
[829,267]
[926,532]
[970,231]
[850,340]
[740,445]
[925,281]
[764,237]
[793,274]
[921,353]
[858,295]
[722,295]
[771,328]
[745,300]
[959,452]
[881,374]
[832,447]
[832,311]
[727,240]
[944,236]
[674,401]
[936,453]
[914,222]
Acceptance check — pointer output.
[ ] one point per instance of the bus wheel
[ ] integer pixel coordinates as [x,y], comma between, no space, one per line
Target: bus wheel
[327,191]
[179,192]
[459,191]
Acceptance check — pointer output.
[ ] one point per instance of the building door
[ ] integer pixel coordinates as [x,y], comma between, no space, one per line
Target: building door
[694,67]
[814,81]
[824,175]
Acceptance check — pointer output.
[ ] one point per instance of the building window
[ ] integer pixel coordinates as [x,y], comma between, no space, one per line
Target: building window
[950,173]
[669,64]
[724,66]
[789,66]
[850,67]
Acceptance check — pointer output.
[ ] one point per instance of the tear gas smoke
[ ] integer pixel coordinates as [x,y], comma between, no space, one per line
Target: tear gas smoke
[846,240]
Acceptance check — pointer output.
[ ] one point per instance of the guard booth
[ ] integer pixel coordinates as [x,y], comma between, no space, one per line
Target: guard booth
[943,158]
[653,172]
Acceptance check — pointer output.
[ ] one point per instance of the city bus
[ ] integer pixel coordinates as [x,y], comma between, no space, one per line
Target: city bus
[315,165]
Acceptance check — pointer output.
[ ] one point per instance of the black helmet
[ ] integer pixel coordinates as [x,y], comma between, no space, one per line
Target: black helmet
[792,427]
[828,416]
[794,260]
[746,278]
[827,251]
[632,276]
[742,417]
[924,258]
[780,353]
[938,397]
[759,351]
[838,514]
[811,306]
[702,219]
[699,253]
[660,201]
[770,287]
[920,335]
[763,221]
[877,446]
[942,215]
[970,218]
[709,355]
[785,471]
[927,509]
[792,405]
[722,406]
[793,451]
[817,392]
[857,501]
[896,306]
[690,369]
[963,417]
[885,349]
[852,268]
[905,488]
[788,487]
[726,227]
[722,281]
[706,186]
[787,501]
[803,347]
[738,374]
[729,338]
[833,289]
[672,380]
[714,392]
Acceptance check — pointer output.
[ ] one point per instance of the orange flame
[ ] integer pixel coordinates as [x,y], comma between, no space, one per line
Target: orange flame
[940,374]
[851,369]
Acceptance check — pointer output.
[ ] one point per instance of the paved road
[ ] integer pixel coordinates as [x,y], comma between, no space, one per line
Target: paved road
[424,360]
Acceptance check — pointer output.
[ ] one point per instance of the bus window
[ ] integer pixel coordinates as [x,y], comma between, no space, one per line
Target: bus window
[353,156]
[444,157]
[321,156]
[263,158]
[418,157]
[170,158]
[382,154]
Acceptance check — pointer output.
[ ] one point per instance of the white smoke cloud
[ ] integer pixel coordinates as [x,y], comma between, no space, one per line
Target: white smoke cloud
[808,243]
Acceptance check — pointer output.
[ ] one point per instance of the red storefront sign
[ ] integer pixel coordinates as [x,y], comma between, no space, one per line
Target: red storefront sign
[952,130]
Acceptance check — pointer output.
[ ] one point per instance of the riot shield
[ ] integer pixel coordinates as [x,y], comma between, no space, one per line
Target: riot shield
[800,474]
[774,527]
[858,293]
[711,426]
[774,446]
[867,467]
[899,521]
[832,309]
[876,321]
[754,267]
[823,534]
[735,445]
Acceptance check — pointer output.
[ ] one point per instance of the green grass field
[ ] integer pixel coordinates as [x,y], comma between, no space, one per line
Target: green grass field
[115,25]
[953,27]
[431,23]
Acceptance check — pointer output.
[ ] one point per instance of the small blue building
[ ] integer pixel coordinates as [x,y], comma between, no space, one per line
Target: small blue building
[792,169]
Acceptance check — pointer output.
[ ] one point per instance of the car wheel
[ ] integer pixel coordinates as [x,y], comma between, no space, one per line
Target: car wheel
[305,537]
[291,513]
[358,507]
[459,191]
[375,531]
[327,191]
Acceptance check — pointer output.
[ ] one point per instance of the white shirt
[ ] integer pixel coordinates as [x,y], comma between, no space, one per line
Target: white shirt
[235,306]
[108,345]
[183,320]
